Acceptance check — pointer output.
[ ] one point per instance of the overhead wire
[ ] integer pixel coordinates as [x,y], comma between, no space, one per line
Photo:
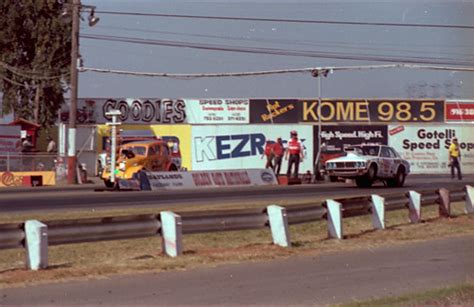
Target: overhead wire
[283,20]
[30,74]
[328,69]
[277,51]
[324,44]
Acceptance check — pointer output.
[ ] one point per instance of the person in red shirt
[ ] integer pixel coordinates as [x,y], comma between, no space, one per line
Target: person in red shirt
[278,151]
[268,152]
[295,152]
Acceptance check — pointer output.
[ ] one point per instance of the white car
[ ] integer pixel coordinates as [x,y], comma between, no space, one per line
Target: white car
[368,163]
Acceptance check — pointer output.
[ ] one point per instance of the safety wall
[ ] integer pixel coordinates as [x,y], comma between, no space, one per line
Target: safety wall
[230,133]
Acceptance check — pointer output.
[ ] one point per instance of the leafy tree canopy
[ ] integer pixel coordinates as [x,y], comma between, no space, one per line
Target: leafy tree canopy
[35,44]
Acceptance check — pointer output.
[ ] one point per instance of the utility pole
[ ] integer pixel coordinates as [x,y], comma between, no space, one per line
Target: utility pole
[72,158]
[319,74]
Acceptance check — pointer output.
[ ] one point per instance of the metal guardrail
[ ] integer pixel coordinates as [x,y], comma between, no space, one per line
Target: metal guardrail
[140,226]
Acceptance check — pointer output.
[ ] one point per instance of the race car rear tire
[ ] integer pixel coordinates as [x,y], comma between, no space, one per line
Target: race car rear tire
[109,184]
[333,178]
[400,179]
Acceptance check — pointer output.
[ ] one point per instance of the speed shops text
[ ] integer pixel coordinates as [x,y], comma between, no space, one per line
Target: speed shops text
[434,139]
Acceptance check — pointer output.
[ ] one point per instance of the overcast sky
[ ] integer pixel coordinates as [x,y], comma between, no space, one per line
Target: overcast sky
[449,45]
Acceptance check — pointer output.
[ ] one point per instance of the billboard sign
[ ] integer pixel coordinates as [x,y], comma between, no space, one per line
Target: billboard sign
[134,111]
[459,111]
[426,147]
[274,111]
[241,147]
[372,111]
[335,138]
[217,111]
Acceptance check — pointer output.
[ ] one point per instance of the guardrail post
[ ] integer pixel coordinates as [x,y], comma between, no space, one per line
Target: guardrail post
[444,201]
[378,211]
[279,225]
[469,199]
[414,206]
[334,219]
[171,233]
[36,234]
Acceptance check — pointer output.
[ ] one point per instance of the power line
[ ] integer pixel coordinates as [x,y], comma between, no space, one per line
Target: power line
[284,52]
[30,74]
[324,44]
[274,72]
[307,21]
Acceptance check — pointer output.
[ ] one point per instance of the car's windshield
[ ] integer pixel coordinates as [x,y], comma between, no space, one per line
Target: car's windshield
[365,150]
[137,150]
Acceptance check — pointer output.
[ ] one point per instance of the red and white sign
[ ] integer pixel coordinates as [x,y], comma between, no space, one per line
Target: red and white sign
[217,111]
[211,179]
[460,111]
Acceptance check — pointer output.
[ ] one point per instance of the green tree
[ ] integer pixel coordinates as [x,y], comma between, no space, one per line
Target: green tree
[35,45]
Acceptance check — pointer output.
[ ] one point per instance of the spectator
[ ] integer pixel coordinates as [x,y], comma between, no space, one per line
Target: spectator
[268,152]
[278,151]
[26,145]
[51,148]
[455,158]
[295,152]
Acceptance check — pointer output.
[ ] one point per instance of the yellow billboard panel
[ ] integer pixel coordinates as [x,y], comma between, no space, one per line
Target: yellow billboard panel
[182,132]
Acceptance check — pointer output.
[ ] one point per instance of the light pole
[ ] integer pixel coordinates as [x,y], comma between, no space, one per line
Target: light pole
[71,153]
[318,74]
[113,150]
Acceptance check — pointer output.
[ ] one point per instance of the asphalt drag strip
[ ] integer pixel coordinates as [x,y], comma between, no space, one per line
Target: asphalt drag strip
[323,279]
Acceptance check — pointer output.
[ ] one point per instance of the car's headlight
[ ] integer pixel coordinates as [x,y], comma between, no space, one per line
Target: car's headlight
[329,165]
[360,164]
[122,166]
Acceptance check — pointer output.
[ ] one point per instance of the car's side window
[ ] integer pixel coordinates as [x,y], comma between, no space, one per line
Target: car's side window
[151,151]
[393,154]
[157,149]
[385,153]
[165,150]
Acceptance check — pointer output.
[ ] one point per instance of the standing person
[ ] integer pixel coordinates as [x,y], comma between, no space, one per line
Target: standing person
[278,151]
[51,148]
[295,151]
[268,152]
[455,158]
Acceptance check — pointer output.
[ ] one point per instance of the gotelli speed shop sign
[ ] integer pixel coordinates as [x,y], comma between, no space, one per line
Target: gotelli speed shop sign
[372,111]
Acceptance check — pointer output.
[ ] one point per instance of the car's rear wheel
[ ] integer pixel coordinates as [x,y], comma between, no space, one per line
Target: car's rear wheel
[400,178]
[109,184]
[333,178]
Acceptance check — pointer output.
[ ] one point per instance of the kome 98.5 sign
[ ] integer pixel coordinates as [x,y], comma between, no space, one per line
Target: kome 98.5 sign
[372,111]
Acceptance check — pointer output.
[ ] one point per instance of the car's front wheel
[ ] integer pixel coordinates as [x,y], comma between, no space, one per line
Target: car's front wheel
[399,179]
[368,179]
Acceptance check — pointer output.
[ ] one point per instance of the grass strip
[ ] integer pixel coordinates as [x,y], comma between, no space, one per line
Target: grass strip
[457,295]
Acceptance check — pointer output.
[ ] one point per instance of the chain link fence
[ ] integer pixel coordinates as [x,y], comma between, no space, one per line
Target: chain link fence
[27,162]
